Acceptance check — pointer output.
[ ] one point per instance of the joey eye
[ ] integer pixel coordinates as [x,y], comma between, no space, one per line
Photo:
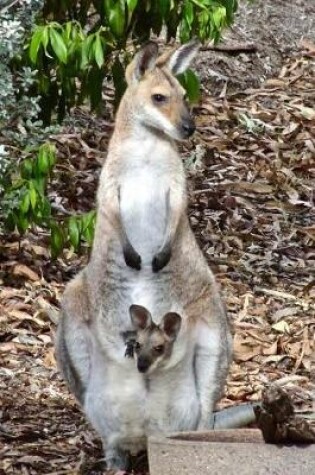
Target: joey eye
[159,98]
[159,349]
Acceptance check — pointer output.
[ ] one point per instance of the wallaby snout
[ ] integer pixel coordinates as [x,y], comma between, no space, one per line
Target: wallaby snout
[143,363]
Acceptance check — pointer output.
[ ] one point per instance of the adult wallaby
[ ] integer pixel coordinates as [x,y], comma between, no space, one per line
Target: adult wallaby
[145,253]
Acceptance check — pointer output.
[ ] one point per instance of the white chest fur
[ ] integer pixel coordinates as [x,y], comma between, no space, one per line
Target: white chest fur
[144,185]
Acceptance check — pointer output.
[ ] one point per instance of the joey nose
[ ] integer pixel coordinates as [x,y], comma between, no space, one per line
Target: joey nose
[143,365]
[188,127]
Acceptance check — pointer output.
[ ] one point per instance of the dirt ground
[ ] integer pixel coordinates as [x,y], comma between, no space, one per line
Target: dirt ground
[251,176]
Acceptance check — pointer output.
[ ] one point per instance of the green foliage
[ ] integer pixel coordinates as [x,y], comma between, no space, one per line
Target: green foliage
[67,54]
[190,81]
[25,198]
[24,180]
[19,109]
[25,204]
[84,41]
[72,232]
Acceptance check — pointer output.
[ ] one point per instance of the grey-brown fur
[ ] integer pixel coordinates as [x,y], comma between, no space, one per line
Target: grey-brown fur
[141,168]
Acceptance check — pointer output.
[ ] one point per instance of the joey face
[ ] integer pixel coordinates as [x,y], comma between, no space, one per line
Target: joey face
[156,97]
[152,349]
[154,343]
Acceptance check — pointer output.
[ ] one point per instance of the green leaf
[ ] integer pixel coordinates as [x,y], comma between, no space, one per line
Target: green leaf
[51,150]
[22,223]
[191,83]
[45,208]
[89,226]
[56,240]
[89,234]
[25,203]
[86,49]
[98,51]
[45,37]
[39,184]
[200,4]
[116,18]
[184,32]
[27,169]
[188,13]
[33,195]
[36,41]
[74,232]
[43,161]
[58,45]
[131,4]
[219,17]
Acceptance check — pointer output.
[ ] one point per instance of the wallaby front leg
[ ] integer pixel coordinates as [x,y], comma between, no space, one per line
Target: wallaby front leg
[172,217]
[132,258]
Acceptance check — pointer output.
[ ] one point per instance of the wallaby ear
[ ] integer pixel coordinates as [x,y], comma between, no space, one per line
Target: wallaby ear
[140,317]
[171,324]
[178,61]
[143,61]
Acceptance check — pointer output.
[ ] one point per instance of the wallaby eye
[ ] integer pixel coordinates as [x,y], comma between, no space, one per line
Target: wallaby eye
[137,345]
[159,349]
[159,98]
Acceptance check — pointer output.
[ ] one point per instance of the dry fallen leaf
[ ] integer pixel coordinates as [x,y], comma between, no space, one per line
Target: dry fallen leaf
[281,327]
[25,271]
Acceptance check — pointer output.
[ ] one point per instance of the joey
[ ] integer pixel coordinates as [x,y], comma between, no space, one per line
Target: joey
[152,344]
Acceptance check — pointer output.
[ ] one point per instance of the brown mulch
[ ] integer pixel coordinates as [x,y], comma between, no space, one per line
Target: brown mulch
[251,170]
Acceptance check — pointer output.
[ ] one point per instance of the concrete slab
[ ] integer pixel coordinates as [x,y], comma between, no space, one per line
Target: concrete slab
[227,452]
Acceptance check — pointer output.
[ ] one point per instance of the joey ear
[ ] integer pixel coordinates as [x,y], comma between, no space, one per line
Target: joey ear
[180,59]
[171,324]
[143,61]
[140,317]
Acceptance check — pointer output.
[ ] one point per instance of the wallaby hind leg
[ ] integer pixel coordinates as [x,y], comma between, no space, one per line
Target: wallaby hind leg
[212,358]
[67,365]
[102,412]
[72,346]
[117,459]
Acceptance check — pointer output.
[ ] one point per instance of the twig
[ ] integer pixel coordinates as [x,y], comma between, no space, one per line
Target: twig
[233,48]
[277,293]
[285,296]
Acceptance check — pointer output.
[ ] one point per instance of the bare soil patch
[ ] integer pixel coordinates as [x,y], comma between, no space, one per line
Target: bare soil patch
[277,28]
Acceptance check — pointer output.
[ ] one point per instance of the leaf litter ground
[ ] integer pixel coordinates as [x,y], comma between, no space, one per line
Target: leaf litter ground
[251,171]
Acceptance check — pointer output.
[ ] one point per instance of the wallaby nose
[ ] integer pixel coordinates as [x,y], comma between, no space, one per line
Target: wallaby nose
[188,127]
[143,365]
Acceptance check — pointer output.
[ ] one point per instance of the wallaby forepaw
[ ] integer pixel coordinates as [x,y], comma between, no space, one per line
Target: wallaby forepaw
[161,259]
[132,259]
[129,353]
